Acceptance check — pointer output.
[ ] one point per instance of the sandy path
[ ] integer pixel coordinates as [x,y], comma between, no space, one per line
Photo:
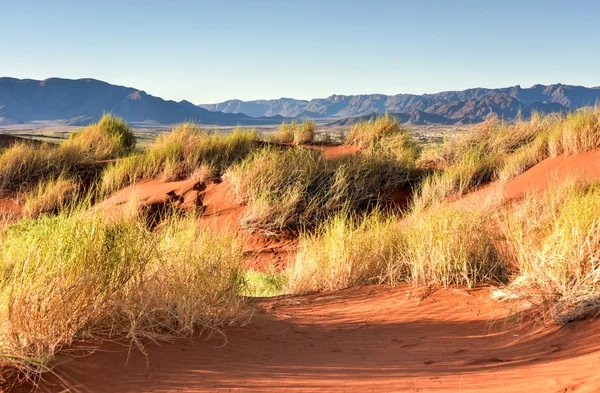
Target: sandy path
[367,339]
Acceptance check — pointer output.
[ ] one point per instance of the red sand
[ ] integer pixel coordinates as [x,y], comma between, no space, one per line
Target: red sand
[543,175]
[335,152]
[367,339]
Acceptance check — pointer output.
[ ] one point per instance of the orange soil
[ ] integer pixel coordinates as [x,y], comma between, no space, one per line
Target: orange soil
[367,339]
[539,178]
[10,211]
[335,152]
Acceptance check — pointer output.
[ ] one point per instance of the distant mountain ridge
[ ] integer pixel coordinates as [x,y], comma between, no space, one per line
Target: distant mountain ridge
[82,101]
[449,107]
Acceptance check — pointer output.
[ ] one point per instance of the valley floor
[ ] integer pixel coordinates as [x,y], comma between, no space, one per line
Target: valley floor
[365,339]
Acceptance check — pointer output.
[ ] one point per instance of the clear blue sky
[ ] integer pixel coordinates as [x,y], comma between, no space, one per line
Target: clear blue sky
[210,51]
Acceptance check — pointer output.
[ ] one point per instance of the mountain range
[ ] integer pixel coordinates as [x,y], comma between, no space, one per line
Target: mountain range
[449,107]
[81,101]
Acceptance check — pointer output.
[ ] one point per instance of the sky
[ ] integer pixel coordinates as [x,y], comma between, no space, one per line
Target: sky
[211,51]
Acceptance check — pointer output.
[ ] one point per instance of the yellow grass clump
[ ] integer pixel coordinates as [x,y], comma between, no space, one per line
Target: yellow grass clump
[555,241]
[50,197]
[69,278]
[178,154]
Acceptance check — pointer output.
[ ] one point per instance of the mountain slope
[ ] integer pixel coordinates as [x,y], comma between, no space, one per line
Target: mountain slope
[466,106]
[63,99]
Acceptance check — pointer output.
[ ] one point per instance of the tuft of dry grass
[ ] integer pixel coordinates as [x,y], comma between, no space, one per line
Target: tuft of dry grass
[74,277]
[296,133]
[23,165]
[178,154]
[111,137]
[555,241]
[365,133]
[50,197]
[293,189]
[348,250]
[305,134]
[447,245]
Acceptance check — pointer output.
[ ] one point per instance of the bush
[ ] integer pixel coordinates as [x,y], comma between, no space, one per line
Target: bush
[365,133]
[298,134]
[447,245]
[454,245]
[23,165]
[577,132]
[305,134]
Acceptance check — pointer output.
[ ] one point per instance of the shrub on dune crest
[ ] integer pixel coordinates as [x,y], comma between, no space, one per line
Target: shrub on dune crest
[293,189]
[296,133]
[365,133]
[111,137]
[24,165]
[176,155]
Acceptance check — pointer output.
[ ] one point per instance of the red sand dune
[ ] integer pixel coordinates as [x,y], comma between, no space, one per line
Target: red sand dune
[377,339]
[540,177]
[367,339]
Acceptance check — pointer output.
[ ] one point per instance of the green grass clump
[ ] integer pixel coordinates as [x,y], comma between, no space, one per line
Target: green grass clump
[555,241]
[75,277]
[178,154]
[263,284]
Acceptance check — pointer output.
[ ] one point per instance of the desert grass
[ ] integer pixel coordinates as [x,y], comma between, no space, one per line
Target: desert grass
[447,245]
[51,197]
[305,134]
[555,240]
[365,133]
[186,150]
[347,250]
[263,283]
[69,278]
[296,133]
[23,165]
[293,189]
[454,244]
[111,137]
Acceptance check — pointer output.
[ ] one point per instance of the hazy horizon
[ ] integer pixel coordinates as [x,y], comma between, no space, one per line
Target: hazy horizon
[207,53]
